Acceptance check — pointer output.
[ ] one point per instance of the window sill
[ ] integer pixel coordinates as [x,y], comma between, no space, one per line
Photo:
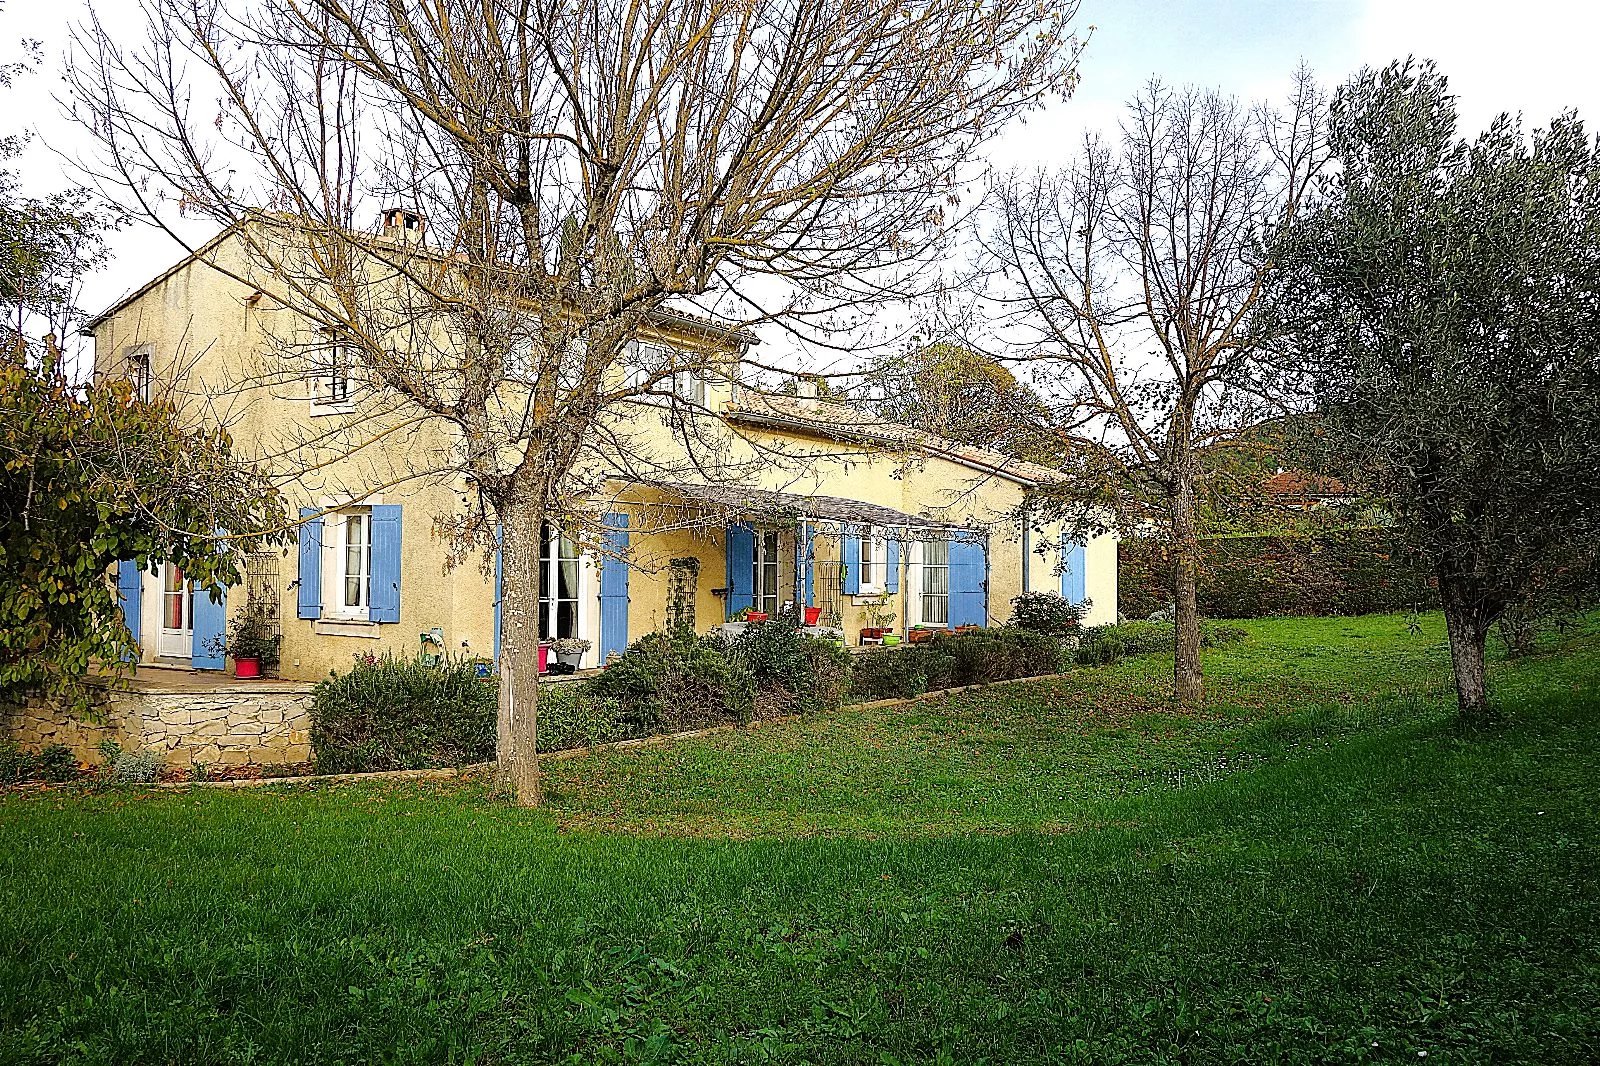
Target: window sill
[345,627]
[865,595]
[322,409]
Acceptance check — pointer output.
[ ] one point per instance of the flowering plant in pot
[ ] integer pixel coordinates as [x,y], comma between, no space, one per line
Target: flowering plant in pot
[250,642]
[569,650]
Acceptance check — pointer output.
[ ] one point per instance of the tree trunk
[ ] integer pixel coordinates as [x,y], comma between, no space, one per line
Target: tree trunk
[1468,632]
[518,721]
[1188,681]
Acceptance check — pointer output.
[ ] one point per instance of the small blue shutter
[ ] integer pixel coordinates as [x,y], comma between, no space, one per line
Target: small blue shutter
[1073,585]
[499,590]
[850,557]
[308,603]
[614,587]
[210,622]
[806,552]
[130,584]
[891,570]
[741,557]
[969,597]
[385,602]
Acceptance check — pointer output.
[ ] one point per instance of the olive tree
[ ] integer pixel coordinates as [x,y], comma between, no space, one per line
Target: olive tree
[583,167]
[1444,299]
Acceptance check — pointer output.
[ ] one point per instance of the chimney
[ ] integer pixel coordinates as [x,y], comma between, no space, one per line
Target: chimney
[805,386]
[404,225]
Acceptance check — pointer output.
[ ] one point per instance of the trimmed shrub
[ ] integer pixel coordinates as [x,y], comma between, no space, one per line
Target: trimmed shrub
[791,672]
[570,716]
[1049,613]
[669,682]
[1107,644]
[898,673]
[403,714]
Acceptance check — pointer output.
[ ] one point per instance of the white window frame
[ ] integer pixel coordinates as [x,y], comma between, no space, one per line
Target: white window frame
[335,559]
[873,562]
[761,567]
[550,558]
[924,570]
[331,385]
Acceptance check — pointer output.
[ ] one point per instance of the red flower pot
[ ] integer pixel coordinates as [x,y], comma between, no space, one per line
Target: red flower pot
[812,614]
[544,658]
[247,667]
[756,616]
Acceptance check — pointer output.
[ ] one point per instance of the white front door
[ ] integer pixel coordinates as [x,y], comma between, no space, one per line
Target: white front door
[177,613]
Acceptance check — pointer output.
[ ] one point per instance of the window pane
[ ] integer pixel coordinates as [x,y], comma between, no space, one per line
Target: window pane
[567,618]
[936,553]
[567,579]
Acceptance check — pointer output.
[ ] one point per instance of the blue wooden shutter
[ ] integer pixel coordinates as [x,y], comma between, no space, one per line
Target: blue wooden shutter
[130,586]
[308,602]
[614,587]
[210,622]
[850,557]
[969,580]
[384,605]
[741,556]
[499,589]
[891,567]
[1073,586]
[807,549]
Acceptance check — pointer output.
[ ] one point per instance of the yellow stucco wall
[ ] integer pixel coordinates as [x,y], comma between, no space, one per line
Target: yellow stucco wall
[207,335]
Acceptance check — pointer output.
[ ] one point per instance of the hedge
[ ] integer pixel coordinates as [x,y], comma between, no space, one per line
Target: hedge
[1345,572]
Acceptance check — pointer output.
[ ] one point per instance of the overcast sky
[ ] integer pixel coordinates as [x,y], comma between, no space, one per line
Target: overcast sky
[1534,56]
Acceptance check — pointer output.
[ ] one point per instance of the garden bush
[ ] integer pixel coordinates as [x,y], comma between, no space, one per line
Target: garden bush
[669,682]
[1107,644]
[791,672]
[403,714]
[900,673]
[571,716]
[1049,613]
[16,765]
[138,767]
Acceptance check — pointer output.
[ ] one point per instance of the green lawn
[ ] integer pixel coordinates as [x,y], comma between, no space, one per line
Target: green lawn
[1317,867]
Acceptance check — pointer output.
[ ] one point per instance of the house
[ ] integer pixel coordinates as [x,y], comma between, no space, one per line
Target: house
[1300,491]
[831,508]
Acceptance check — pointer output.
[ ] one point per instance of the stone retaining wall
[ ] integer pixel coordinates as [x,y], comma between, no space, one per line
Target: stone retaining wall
[233,726]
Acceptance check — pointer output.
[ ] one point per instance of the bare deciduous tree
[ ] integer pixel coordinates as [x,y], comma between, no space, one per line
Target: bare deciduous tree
[1131,277]
[584,169]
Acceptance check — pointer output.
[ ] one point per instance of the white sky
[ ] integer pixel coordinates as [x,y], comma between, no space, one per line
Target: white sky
[1534,56]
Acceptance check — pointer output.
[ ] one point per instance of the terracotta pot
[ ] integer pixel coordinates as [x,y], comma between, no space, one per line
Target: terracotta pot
[872,632]
[247,667]
[756,616]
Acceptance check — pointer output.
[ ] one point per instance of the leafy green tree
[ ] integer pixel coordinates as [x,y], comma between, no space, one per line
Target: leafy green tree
[90,476]
[1445,300]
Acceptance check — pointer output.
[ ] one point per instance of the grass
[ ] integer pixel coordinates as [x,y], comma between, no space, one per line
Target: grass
[1315,867]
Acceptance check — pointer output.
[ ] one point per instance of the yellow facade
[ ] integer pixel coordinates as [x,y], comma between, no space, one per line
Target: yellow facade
[206,336]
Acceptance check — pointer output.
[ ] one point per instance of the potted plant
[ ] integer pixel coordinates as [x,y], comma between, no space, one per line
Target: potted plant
[891,639]
[569,651]
[920,633]
[812,615]
[749,614]
[879,619]
[250,642]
